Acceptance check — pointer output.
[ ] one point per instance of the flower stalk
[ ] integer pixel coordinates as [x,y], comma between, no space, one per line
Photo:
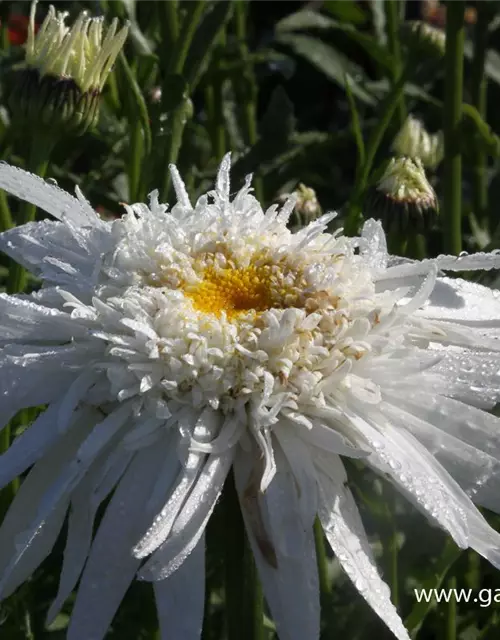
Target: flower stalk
[388,107]
[452,205]
[244,599]
[478,95]
[392,13]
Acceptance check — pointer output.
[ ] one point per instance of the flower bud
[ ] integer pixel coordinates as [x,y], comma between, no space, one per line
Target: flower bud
[423,40]
[307,207]
[403,198]
[58,86]
[415,142]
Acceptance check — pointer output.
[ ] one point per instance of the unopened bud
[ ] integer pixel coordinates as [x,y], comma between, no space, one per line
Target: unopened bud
[414,141]
[59,84]
[423,40]
[403,199]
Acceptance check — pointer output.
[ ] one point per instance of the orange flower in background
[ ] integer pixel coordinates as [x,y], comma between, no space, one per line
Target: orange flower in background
[435,13]
[17,29]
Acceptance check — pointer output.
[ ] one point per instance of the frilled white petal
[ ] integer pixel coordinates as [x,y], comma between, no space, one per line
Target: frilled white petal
[473,426]
[346,535]
[96,486]
[35,441]
[180,599]
[477,472]
[35,517]
[465,302]
[35,375]
[399,457]
[48,197]
[283,548]
[191,520]
[22,319]
[373,245]
[189,475]
[111,567]
[63,253]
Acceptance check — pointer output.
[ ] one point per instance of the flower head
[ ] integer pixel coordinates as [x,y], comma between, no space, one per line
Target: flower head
[65,70]
[172,345]
[307,207]
[403,198]
[415,142]
[423,39]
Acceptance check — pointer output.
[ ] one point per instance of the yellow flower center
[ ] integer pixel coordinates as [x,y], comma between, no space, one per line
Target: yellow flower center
[238,290]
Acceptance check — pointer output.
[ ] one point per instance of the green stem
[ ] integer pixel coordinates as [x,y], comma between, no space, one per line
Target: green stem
[392,14]
[5,215]
[388,107]
[37,163]
[325,586]
[188,29]
[247,87]
[452,200]
[169,23]
[451,616]
[178,118]
[135,162]
[244,600]
[478,96]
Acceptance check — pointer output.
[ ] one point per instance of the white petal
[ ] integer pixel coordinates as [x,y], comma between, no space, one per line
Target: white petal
[345,532]
[206,425]
[373,245]
[32,375]
[284,550]
[84,504]
[180,599]
[37,439]
[59,252]
[21,551]
[111,566]
[459,301]
[473,426]
[47,196]
[191,521]
[400,457]
[22,319]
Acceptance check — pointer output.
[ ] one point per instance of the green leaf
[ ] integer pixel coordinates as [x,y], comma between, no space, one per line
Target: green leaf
[356,127]
[275,131]
[127,9]
[420,609]
[328,60]
[308,19]
[204,41]
[346,10]
[134,102]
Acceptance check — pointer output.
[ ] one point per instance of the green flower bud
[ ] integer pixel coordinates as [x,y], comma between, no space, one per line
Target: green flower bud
[415,142]
[423,40]
[307,207]
[403,198]
[58,86]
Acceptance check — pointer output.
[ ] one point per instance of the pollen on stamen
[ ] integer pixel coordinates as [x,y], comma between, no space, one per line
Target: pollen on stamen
[235,291]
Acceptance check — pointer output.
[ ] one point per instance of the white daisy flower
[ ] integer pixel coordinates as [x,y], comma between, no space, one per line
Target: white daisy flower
[172,345]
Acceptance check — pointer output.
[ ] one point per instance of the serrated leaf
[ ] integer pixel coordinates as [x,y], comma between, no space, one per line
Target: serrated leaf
[328,60]
[204,41]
